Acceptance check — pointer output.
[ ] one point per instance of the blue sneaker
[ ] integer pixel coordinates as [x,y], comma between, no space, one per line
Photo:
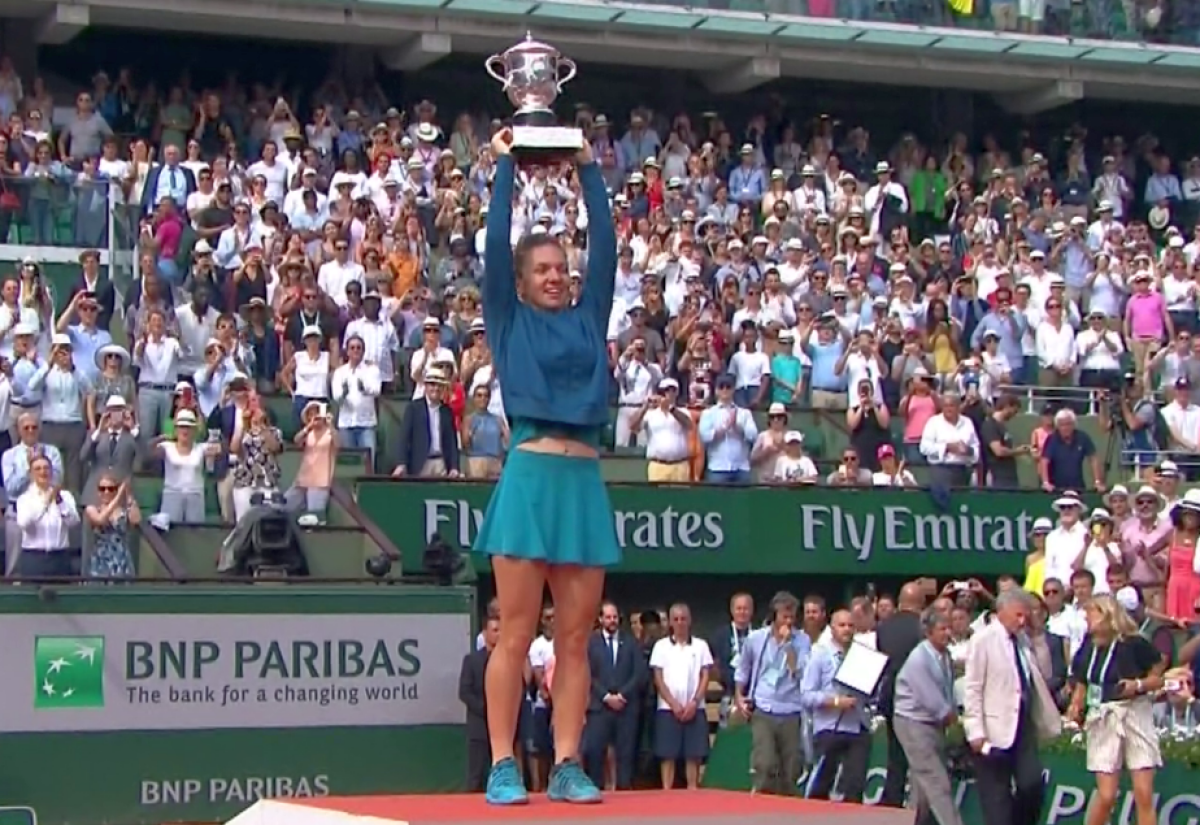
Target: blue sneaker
[568,783]
[504,785]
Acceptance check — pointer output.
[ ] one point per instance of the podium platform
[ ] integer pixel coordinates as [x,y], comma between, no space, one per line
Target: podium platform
[702,807]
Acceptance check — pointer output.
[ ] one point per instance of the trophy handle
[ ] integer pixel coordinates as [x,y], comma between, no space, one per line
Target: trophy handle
[496,60]
[568,64]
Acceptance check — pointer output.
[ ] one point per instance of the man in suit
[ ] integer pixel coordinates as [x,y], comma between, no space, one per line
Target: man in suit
[897,637]
[471,694]
[112,449]
[1006,708]
[93,280]
[428,442]
[168,179]
[619,676]
[727,644]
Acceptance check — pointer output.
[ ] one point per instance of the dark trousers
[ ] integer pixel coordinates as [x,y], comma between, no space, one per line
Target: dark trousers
[897,771]
[36,564]
[479,764]
[607,728]
[1009,782]
[848,751]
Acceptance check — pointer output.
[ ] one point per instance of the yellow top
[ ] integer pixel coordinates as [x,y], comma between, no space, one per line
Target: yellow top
[1035,575]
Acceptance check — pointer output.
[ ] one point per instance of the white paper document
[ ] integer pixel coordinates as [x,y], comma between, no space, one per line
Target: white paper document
[862,668]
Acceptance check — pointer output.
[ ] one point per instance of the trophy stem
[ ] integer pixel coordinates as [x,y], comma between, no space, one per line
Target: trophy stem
[534,117]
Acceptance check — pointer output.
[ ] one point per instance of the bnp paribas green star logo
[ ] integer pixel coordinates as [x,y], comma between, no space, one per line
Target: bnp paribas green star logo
[69,672]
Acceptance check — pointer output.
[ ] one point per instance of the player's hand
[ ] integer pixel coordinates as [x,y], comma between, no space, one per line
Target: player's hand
[502,142]
[584,155]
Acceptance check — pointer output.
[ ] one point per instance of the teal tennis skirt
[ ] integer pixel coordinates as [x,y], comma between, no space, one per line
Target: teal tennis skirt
[551,508]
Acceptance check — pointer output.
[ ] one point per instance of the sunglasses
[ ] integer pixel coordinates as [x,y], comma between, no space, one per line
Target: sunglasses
[1052,591]
[850,459]
[107,488]
[1053,306]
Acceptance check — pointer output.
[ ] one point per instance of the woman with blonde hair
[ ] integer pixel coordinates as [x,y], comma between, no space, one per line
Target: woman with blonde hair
[1113,675]
[110,518]
[319,441]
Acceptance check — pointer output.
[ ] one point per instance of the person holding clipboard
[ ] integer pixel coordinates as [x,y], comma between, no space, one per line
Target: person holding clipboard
[767,694]
[841,723]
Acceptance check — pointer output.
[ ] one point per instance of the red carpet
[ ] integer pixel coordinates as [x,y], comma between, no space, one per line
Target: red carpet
[703,807]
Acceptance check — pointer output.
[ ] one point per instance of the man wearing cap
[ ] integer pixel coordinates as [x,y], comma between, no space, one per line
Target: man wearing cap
[1183,425]
[428,445]
[667,428]
[63,412]
[1144,538]
[25,365]
[727,432]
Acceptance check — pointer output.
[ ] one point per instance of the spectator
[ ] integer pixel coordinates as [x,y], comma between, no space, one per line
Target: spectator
[667,429]
[793,466]
[1183,577]
[63,410]
[110,518]
[1067,540]
[319,442]
[728,432]
[680,664]
[950,444]
[428,440]
[356,386]
[183,470]
[45,514]
[255,443]
[891,472]
[1035,559]
[1063,456]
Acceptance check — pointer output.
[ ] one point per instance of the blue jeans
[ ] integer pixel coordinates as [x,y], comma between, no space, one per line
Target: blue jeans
[727,476]
[359,438]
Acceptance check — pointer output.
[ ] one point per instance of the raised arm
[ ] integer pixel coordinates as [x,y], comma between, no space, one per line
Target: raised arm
[499,287]
[598,288]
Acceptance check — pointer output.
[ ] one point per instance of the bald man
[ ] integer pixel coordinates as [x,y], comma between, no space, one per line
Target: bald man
[840,720]
[14,465]
[896,637]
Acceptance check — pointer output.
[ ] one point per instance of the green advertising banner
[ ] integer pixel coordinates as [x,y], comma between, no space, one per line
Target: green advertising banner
[753,530]
[1069,785]
[148,705]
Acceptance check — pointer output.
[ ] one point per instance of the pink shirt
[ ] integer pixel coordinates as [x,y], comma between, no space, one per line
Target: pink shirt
[1140,571]
[921,408]
[1144,314]
[316,465]
[169,233]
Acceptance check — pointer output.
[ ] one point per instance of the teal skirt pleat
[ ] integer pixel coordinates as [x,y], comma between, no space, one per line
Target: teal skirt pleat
[550,508]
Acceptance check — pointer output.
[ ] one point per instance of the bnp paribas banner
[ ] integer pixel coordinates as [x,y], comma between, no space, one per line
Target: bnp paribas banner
[765,530]
[189,705]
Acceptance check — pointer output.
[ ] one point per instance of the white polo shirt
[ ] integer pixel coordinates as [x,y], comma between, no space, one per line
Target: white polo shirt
[681,666]
[541,654]
[668,441]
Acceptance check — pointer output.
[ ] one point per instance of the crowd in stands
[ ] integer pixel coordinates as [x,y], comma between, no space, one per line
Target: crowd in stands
[920,294]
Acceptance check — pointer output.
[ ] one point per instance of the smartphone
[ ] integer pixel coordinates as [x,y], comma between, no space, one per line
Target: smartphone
[1172,685]
[961,585]
[323,411]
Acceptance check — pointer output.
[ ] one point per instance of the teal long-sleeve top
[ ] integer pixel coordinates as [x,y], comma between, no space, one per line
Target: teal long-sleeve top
[552,365]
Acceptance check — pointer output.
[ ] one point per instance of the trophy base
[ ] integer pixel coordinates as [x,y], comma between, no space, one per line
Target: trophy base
[536,144]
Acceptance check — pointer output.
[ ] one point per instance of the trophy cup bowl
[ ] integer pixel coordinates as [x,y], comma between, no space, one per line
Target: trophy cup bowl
[532,75]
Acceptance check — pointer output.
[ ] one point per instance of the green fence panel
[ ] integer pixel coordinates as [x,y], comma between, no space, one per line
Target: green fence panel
[144,704]
[1069,785]
[753,530]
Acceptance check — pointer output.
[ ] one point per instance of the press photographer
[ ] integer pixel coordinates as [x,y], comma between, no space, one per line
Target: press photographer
[1130,417]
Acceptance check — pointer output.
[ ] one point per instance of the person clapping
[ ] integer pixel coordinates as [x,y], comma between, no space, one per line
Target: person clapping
[45,515]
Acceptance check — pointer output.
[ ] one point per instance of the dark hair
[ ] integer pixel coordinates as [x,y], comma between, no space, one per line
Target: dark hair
[526,247]
[1084,575]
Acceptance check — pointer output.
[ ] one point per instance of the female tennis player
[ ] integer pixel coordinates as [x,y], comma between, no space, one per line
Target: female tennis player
[549,520]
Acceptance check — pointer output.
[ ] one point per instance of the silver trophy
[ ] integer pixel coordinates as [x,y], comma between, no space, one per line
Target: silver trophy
[532,75]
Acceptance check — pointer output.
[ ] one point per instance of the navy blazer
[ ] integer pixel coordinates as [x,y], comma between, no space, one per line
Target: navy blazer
[151,188]
[415,448]
[627,675]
